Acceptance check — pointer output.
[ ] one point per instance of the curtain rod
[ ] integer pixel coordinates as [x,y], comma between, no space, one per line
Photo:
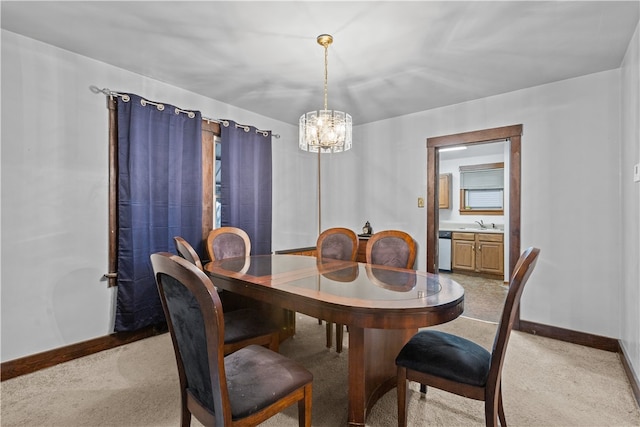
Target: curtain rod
[160,107]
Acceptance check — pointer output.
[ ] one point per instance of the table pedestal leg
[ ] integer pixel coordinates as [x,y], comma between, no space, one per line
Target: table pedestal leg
[372,368]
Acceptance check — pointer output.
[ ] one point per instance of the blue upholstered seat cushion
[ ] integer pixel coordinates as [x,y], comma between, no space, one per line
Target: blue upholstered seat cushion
[446,356]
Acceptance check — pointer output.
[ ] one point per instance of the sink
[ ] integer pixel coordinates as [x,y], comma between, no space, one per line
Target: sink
[482,230]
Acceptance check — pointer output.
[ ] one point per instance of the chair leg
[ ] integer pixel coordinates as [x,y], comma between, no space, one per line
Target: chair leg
[402,396]
[423,390]
[319,321]
[491,411]
[185,415]
[329,334]
[339,331]
[304,408]
[274,344]
[503,420]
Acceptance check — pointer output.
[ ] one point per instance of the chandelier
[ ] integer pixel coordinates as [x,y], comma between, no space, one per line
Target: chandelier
[325,131]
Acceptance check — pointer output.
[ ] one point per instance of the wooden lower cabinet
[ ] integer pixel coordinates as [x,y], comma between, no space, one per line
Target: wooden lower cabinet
[478,252]
[490,253]
[463,246]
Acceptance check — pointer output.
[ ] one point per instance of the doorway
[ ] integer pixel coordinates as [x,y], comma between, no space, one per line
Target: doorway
[513,135]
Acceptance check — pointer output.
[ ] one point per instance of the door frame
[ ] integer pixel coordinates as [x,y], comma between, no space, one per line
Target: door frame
[512,133]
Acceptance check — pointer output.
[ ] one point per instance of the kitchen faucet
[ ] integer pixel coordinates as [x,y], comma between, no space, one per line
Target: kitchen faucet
[481,224]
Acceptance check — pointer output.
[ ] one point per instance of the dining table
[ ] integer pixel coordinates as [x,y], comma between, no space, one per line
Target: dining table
[382,307]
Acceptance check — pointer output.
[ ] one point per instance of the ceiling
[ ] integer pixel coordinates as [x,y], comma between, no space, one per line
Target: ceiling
[388,58]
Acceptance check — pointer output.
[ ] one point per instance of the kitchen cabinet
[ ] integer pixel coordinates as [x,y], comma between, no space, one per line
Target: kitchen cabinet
[444,191]
[464,253]
[478,253]
[490,253]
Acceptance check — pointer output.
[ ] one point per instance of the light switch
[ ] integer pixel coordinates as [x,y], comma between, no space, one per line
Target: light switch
[421,202]
[636,173]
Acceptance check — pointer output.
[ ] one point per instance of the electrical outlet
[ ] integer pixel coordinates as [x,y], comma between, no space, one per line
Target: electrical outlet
[636,173]
[421,202]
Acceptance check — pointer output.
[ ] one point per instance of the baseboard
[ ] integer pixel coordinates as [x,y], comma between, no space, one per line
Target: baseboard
[47,359]
[567,335]
[633,379]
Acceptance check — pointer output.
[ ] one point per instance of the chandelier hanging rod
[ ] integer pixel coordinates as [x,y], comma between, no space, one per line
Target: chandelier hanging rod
[325,40]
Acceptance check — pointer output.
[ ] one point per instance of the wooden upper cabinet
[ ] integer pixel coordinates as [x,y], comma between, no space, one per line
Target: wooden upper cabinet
[444,191]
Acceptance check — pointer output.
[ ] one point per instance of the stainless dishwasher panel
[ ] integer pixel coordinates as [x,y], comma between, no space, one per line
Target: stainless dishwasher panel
[444,250]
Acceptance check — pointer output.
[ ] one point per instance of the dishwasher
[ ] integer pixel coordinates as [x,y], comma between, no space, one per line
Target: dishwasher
[444,250]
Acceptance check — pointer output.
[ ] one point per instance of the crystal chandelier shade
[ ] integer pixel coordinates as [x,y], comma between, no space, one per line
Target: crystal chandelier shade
[325,131]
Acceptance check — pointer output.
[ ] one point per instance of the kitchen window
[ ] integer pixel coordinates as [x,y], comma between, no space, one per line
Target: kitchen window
[482,189]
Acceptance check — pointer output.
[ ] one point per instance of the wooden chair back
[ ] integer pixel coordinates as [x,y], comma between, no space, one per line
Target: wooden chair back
[523,269]
[393,248]
[337,243]
[228,242]
[197,334]
[186,251]
[341,244]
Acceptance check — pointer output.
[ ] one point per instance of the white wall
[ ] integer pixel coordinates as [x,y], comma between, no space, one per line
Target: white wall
[570,189]
[630,206]
[54,190]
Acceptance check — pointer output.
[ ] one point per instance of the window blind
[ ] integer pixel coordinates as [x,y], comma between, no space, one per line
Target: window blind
[487,179]
[484,199]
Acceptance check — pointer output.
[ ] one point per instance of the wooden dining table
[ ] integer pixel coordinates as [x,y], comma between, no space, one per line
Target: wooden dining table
[383,307]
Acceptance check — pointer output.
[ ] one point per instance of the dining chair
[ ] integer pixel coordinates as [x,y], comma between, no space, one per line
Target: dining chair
[241,389]
[394,248]
[243,326]
[337,243]
[186,251]
[228,242]
[460,366]
[341,244]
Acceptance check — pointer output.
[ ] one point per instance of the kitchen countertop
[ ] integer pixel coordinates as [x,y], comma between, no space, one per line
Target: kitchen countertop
[466,228]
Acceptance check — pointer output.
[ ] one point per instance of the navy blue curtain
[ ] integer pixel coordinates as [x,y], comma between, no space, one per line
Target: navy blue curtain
[159,197]
[245,193]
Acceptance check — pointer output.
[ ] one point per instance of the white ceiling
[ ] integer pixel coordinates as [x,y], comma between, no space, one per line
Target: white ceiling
[388,58]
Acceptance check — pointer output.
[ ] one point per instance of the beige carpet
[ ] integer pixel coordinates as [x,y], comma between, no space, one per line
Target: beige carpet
[546,383]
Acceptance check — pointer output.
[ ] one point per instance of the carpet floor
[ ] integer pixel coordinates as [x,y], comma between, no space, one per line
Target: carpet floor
[545,383]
